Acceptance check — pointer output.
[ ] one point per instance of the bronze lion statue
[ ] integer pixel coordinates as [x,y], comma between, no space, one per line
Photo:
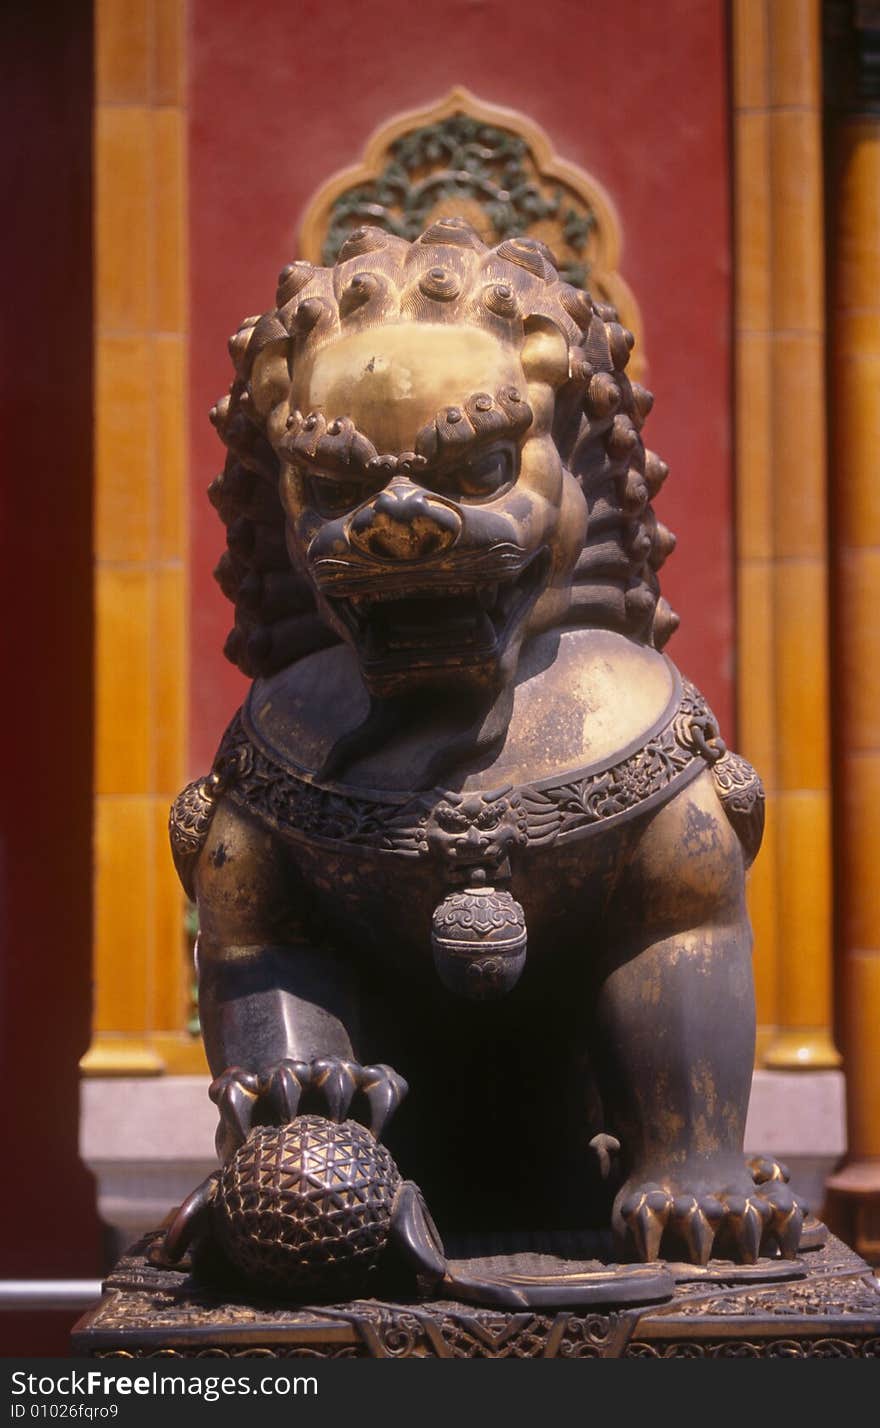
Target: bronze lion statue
[471,832]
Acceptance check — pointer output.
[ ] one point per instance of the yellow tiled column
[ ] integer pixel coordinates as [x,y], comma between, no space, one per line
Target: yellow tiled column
[140,533]
[855,376]
[781,526]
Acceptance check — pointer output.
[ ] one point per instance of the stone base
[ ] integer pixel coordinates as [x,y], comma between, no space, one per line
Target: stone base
[799,1117]
[148,1141]
[831,1311]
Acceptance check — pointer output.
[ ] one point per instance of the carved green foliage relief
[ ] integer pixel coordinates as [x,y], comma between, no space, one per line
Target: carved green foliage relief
[462,165]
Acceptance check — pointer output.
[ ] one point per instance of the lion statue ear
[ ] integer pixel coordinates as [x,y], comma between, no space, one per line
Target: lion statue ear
[276,620]
[545,351]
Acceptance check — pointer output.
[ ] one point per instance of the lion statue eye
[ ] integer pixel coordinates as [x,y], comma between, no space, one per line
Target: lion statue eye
[487,475]
[333,498]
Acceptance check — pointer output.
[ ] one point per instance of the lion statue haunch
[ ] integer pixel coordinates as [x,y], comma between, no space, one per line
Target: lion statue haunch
[471,823]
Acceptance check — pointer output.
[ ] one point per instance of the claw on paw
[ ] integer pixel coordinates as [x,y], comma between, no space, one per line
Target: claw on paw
[695,1221]
[785,1221]
[738,1224]
[384,1091]
[745,1218]
[283,1088]
[645,1214]
[328,1084]
[234,1093]
[335,1081]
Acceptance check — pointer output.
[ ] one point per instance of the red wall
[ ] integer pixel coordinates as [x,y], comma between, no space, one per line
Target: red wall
[48,1225]
[635,92]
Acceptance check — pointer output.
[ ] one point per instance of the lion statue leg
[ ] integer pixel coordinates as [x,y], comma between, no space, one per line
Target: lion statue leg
[675,1029]
[277,1005]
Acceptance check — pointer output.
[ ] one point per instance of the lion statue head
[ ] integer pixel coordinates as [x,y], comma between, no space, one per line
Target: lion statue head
[434,452]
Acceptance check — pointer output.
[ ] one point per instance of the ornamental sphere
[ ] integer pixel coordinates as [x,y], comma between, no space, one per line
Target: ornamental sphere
[304,1210]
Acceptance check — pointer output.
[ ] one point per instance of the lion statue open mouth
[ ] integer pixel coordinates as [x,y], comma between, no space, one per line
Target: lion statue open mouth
[470,823]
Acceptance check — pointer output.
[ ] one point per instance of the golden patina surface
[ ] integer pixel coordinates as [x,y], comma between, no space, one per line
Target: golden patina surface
[579,700]
[471,824]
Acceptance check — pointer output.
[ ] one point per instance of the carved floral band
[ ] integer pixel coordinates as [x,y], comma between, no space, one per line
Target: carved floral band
[437,823]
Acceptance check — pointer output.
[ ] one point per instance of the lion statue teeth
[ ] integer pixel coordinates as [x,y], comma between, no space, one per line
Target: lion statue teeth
[471,823]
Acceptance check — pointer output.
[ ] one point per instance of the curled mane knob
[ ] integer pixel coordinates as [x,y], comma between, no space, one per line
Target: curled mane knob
[500,298]
[361,290]
[479,942]
[440,284]
[366,239]
[291,280]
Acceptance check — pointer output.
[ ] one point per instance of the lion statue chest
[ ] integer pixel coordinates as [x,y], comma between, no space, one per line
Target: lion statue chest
[603,732]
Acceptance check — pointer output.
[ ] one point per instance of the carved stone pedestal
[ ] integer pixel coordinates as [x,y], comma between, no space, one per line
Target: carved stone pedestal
[831,1311]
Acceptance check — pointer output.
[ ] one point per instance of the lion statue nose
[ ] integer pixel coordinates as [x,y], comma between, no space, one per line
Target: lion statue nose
[404,523]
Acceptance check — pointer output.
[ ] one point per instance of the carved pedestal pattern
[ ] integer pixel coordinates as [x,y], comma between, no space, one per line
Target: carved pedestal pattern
[832,1312]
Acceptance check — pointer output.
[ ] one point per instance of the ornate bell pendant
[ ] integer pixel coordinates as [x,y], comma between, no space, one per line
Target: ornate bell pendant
[479,942]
